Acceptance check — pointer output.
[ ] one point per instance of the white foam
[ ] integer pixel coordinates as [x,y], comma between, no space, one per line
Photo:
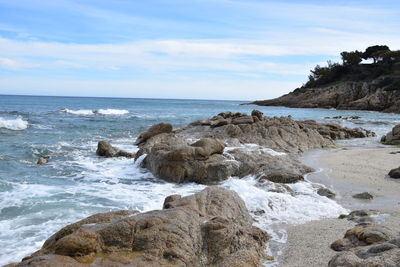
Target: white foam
[86,112]
[78,111]
[112,111]
[305,205]
[13,124]
[256,148]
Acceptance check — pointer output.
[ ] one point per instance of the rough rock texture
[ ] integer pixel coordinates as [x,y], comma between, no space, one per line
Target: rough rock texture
[279,133]
[363,235]
[392,137]
[367,244]
[210,228]
[395,173]
[344,95]
[252,142]
[154,130]
[105,149]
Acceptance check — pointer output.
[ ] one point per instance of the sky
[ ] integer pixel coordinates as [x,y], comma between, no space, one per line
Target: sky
[182,49]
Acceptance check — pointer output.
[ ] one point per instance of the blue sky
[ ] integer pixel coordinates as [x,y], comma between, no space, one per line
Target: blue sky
[219,49]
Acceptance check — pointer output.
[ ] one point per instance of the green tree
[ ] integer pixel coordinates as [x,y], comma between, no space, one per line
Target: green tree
[375,52]
[351,58]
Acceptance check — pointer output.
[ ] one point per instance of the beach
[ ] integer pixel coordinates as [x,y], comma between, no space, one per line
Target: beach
[347,172]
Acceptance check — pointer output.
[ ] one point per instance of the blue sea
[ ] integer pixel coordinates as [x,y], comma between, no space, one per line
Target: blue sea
[37,200]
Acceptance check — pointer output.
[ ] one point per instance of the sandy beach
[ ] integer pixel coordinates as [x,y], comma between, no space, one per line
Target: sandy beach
[347,172]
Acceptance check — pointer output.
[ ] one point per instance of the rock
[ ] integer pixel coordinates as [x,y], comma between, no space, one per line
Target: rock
[364,195]
[243,120]
[395,173]
[392,137]
[153,131]
[105,149]
[281,177]
[201,162]
[326,192]
[258,114]
[282,134]
[209,228]
[363,235]
[361,216]
[275,144]
[343,95]
[43,160]
[382,254]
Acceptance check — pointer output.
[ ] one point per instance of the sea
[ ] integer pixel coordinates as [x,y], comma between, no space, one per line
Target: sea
[38,200]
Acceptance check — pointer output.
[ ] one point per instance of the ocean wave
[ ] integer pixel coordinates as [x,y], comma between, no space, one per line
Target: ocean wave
[110,111]
[86,112]
[13,124]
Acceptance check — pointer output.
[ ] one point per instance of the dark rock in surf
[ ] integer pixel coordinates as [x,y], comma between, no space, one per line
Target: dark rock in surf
[43,160]
[153,131]
[325,192]
[105,149]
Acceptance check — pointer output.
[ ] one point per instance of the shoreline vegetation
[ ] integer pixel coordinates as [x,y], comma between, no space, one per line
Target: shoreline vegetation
[368,80]
[214,227]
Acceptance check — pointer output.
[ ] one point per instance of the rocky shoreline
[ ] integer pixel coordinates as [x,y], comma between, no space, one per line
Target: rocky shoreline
[212,227]
[349,95]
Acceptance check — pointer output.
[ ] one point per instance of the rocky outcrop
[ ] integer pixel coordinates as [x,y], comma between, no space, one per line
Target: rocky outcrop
[363,235]
[370,245]
[105,149]
[395,173]
[153,131]
[392,137]
[366,244]
[210,228]
[279,133]
[349,95]
[257,145]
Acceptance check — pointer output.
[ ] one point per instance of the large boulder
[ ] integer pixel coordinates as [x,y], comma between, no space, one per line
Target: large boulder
[209,228]
[372,246]
[392,137]
[363,235]
[105,149]
[200,162]
[153,131]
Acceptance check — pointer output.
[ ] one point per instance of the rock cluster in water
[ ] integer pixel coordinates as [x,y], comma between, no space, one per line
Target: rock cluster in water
[222,148]
[209,228]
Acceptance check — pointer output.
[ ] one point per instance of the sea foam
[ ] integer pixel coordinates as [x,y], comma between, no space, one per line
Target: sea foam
[13,124]
[86,112]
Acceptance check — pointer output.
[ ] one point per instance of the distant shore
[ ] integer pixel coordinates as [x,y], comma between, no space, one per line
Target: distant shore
[347,172]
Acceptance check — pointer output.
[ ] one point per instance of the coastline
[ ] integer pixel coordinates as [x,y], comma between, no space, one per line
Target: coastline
[347,172]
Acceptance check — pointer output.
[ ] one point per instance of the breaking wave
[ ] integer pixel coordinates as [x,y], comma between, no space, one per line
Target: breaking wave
[13,124]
